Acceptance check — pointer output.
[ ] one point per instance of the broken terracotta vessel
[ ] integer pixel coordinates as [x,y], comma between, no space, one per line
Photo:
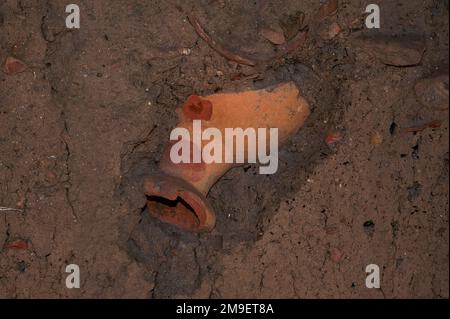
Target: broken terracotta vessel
[177,193]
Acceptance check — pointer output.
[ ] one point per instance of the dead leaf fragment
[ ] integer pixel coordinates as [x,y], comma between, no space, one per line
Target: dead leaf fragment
[327,9]
[273,36]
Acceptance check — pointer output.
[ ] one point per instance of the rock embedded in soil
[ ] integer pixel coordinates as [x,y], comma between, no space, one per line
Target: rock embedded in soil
[376,139]
[13,66]
[394,51]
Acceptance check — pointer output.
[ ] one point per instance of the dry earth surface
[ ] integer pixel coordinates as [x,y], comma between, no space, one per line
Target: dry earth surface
[89,117]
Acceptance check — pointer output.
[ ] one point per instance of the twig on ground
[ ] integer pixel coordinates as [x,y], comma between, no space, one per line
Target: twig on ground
[217,46]
[287,48]
[6,209]
[418,128]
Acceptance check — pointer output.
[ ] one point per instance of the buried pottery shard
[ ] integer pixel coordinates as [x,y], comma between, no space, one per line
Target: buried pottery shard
[176,194]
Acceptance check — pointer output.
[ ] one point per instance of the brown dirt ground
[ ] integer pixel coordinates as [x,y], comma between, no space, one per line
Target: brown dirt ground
[89,119]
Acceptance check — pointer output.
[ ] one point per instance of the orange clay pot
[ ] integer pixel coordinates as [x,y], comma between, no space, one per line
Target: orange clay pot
[177,193]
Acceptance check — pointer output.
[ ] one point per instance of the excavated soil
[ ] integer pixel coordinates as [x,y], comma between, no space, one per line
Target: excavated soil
[88,119]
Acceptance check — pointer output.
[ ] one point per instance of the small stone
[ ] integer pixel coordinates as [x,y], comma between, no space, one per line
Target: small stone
[186,51]
[376,139]
[13,66]
[395,51]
